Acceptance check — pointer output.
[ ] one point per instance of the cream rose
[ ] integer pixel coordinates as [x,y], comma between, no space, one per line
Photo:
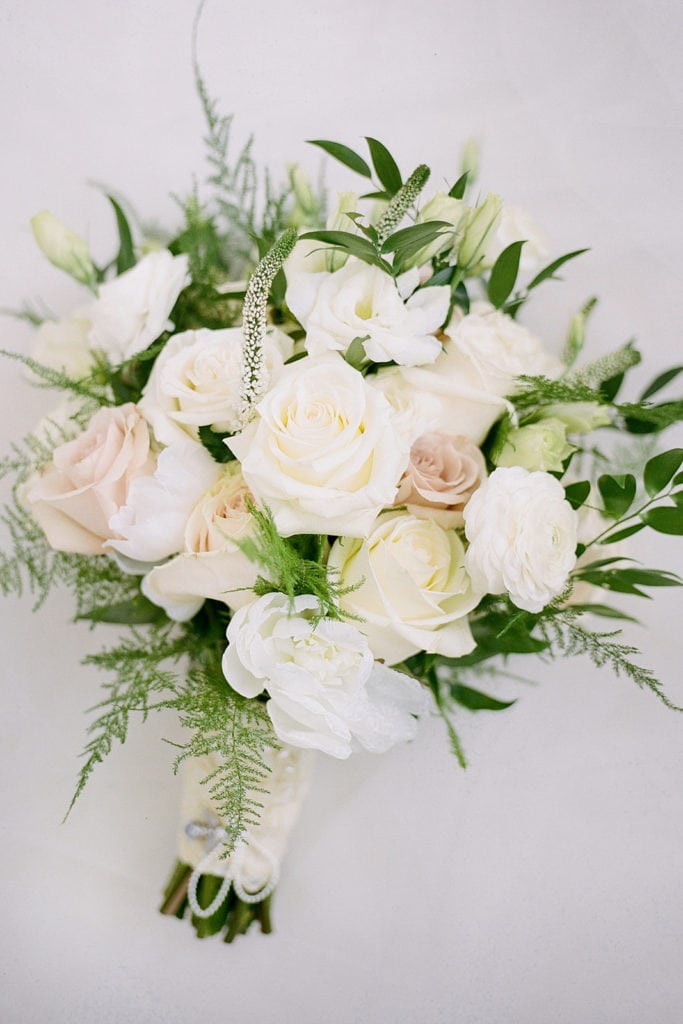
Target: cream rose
[412,591]
[362,301]
[212,564]
[132,310]
[196,381]
[443,473]
[89,479]
[522,535]
[325,690]
[322,452]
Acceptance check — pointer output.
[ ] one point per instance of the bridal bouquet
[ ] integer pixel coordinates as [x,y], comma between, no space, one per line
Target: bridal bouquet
[313,466]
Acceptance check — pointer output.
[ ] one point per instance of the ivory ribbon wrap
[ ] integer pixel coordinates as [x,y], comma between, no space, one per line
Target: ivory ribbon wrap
[254,865]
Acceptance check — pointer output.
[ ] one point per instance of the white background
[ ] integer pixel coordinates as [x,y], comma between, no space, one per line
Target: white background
[544,883]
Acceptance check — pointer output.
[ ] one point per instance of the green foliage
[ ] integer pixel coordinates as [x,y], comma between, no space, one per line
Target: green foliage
[86,389]
[401,201]
[344,155]
[504,274]
[385,166]
[125,258]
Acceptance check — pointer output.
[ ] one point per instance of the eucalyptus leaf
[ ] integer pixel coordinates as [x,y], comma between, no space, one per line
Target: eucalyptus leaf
[504,274]
[664,520]
[549,271]
[617,493]
[344,155]
[660,469]
[475,700]
[385,166]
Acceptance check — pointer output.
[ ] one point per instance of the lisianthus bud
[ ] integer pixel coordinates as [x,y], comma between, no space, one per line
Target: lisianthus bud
[453,211]
[537,446]
[578,417]
[306,206]
[469,159]
[480,222]
[63,247]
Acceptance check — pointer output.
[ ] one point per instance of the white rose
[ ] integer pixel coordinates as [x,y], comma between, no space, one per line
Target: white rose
[515,225]
[150,526]
[132,310]
[325,691]
[362,301]
[415,411]
[212,564]
[322,451]
[196,381]
[64,346]
[89,479]
[412,590]
[522,534]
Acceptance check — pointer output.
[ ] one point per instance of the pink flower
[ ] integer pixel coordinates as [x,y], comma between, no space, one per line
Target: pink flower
[443,473]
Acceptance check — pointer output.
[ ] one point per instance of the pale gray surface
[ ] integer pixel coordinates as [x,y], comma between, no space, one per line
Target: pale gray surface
[544,884]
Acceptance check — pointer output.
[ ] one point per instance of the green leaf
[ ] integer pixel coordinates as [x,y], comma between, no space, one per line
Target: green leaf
[475,700]
[385,165]
[604,610]
[344,155]
[350,243]
[458,190]
[660,469]
[660,382]
[504,274]
[215,444]
[408,241]
[609,389]
[137,612]
[617,493]
[443,276]
[355,353]
[664,520]
[577,493]
[376,195]
[628,531]
[125,258]
[549,271]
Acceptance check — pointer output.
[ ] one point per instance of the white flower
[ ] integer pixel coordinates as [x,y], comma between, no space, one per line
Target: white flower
[63,247]
[515,225]
[522,534]
[541,445]
[196,381]
[412,590]
[325,691]
[211,564]
[323,451]
[132,310]
[151,524]
[362,301]
[415,410]
[481,222]
[63,344]
[443,473]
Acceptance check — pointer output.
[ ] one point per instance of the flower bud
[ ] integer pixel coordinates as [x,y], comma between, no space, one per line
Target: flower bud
[63,247]
[306,205]
[578,417]
[480,222]
[453,211]
[537,446]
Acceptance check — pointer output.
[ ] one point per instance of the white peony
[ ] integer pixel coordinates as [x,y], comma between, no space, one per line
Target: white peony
[325,690]
[211,564]
[132,310]
[522,535]
[150,526]
[412,590]
[196,381]
[322,451]
[362,301]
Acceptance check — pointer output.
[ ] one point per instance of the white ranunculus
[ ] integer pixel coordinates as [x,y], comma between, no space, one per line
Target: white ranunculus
[522,535]
[322,451]
[412,591]
[362,301]
[151,524]
[515,225]
[211,564]
[64,346]
[196,381]
[325,690]
[132,310]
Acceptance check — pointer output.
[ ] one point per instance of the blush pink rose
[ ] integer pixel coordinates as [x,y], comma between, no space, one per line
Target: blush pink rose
[87,481]
[443,473]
